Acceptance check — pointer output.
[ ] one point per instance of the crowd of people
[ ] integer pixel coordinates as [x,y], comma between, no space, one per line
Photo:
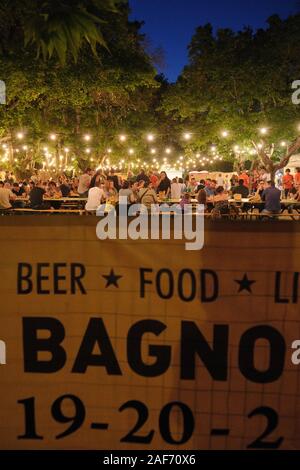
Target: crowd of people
[150,188]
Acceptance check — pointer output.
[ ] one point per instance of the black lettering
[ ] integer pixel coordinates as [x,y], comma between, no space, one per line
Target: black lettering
[76,277]
[24,285]
[134,349]
[58,277]
[170,291]
[192,294]
[41,278]
[32,344]
[144,281]
[215,358]
[247,354]
[278,298]
[204,275]
[96,334]
[295,288]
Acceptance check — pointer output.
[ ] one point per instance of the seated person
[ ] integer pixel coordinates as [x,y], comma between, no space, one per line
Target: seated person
[18,190]
[6,196]
[95,197]
[220,201]
[36,197]
[147,196]
[241,189]
[65,189]
[271,196]
[55,193]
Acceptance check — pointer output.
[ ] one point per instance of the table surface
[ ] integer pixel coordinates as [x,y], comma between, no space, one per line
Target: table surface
[161,201]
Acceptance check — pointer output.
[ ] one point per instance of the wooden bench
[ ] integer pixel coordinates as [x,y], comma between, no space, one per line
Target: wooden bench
[48,211]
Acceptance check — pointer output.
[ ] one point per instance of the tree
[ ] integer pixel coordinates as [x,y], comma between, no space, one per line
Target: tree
[55,28]
[102,96]
[237,89]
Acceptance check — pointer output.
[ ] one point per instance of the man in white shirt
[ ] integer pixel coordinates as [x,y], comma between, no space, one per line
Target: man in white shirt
[176,189]
[95,197]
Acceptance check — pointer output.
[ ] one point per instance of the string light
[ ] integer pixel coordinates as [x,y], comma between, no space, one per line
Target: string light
[150,137]
[168,150]
[52,136]
[187,136]
[87,137]
[225,134]
[20,135]
[263,131]
[131,151]
[153,151]
[123,138]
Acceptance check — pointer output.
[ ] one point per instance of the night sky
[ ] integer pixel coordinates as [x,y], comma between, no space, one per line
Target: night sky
[171,23]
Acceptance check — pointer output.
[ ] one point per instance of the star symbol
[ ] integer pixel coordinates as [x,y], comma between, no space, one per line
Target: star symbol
[112,279]
[245,284]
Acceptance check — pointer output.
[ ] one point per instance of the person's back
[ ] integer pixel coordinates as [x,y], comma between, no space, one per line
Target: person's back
[241,189]
[95,196]
[65,190]
[36,197]
[271,196]
[147,197]
[176,189]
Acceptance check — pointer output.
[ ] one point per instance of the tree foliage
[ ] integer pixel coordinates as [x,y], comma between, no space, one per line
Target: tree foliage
[239,82]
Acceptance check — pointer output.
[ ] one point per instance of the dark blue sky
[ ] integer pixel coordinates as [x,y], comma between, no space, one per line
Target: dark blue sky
[171,23]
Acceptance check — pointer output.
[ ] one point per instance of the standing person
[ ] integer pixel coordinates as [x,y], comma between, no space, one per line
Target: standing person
[220,180]
[288,182]
[153,179]
[84,183]
[113,177]
[297,177]
[176,189]
[227,184]
[164,185]
[245,177]
[95,179]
